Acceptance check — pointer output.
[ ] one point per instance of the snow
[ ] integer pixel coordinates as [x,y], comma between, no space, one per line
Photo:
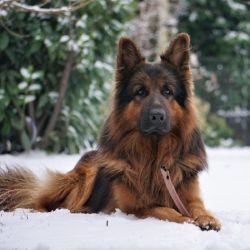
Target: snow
[225,189]
[236,6]
[237,35]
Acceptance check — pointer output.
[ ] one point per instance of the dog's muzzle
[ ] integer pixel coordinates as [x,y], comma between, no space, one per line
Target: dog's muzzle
[155,121]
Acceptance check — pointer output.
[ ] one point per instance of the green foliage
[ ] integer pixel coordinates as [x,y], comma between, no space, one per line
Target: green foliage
[220,35]
[217,131]
[33,53]
[215,128]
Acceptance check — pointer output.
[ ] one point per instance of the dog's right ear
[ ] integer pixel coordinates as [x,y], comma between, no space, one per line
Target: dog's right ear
[177,54]
[128,56]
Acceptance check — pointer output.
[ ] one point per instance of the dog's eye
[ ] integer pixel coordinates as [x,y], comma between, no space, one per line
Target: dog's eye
[166,92]
[141,92]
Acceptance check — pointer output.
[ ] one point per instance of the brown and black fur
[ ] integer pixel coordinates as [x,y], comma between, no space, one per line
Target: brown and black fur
[152,123]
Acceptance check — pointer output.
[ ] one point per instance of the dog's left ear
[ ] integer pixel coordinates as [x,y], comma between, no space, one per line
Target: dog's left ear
[177,54]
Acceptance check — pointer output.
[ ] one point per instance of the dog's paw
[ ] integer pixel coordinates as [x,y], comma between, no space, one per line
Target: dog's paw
[207,222]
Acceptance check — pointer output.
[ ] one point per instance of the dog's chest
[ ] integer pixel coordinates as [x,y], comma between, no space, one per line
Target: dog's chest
[148,188]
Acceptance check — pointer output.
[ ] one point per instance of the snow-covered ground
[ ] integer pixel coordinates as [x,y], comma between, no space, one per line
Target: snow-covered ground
[225,188]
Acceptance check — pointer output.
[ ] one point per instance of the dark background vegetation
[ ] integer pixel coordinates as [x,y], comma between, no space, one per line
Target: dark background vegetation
[56,70]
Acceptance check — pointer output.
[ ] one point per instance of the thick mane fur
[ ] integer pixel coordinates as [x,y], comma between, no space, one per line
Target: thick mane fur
[182,151]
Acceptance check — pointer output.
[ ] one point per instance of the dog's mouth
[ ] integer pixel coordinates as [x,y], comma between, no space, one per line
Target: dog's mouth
[155,131]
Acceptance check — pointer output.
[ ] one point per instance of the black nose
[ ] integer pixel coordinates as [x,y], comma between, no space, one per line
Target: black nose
[157,116]
[155,120]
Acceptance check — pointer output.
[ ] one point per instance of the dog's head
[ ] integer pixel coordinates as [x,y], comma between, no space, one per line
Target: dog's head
[152,97]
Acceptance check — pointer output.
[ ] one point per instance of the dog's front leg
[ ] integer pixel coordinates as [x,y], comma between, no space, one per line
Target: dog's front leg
[163,213]
[190,195]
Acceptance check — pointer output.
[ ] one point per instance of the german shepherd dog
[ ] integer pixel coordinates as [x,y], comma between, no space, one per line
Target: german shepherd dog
[152,123]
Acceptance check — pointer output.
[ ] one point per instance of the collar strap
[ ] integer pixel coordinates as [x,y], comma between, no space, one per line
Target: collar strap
[172,192]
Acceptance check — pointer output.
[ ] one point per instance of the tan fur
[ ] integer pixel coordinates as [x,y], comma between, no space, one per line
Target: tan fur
[69,190]
[17,187]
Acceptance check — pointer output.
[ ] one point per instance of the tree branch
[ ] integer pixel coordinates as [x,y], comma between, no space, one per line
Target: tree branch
[62,91]
[4,4]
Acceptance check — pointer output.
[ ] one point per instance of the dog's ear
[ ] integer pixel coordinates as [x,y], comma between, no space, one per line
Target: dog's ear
[177,54]
[128,56]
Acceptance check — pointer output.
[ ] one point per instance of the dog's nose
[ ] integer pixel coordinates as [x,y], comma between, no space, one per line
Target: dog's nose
[157,116]
[155,121]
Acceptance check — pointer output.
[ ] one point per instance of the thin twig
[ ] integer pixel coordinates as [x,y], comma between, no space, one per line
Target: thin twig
[44,3]
[13,33]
